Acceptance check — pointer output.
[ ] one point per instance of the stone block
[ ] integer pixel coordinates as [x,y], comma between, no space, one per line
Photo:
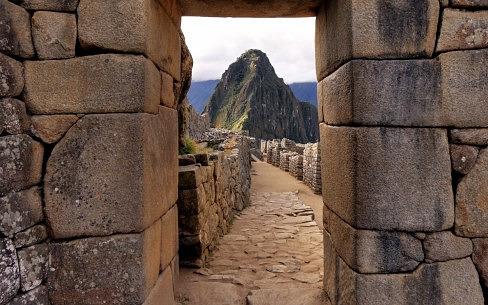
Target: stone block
[454,283]
[20,210]
[469,136]
[388,178]
[190,177]
[49,5]
[162,293]
[464,87]
[471,206]
[92,84]
[463,158]
[361,92]
[140,26]
[54,34]
[11,76]
[9,270]
[202,159]
[449,91]
[469,3]
[480,259]
[51,128]
[463,30]
[113,173]
[31,236]
[14,116]
[20,163]
[445,246]
[15,30]
[375,251]
[191,202]
[33,263]
[169,237]
[167,91]
[37,296]
[374,29]
[119,269]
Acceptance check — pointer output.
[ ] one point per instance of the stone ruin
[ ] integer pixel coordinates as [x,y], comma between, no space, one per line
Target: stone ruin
[212,188]
[89,140]
[302,161]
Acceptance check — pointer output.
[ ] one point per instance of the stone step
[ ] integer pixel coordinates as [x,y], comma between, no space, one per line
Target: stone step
[287,296]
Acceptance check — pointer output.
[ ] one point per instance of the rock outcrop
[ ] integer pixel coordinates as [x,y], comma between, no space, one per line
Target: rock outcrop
[250,96]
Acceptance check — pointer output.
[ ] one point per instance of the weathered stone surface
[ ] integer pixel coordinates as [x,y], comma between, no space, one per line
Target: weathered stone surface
[190,177]
[388,178]
[20,163]
[213,293]
[469,136]
[9,270]
[454,283]
[374,29]
[33,266]
[449,91]
[445,246]
[239,8]
[463,158]
[54,34]
[11,76]
[14,117]
[471,204]
[469,3]
[463,30]
[375,251]
[480,259]
[119,269]
[36,296]
[167,91]
[92,84]
[362,91]
[51,128]
[169,237]
[49,5]
[464,88]
[31,236]
[19,211]
[15,30]
[192,201]
[100,184]
[287,296]
[162,293]
[140,26]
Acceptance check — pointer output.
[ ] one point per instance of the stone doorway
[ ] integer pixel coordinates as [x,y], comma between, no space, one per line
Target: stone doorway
[94,174]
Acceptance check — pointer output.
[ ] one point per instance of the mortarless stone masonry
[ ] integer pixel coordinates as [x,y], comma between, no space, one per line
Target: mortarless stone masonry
[209,195]
[402,106]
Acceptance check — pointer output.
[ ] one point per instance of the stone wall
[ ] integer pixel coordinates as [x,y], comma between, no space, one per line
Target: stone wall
[212,188]
[311,167]
[301,160]
[88,151]
[404,172]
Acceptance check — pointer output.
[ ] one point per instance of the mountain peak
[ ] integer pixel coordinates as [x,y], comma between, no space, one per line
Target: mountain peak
[250,96]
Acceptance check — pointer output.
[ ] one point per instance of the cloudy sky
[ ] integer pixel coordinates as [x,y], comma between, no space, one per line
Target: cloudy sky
[215,43]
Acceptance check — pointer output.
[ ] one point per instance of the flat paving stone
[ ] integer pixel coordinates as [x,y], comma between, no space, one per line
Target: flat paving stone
[274,245]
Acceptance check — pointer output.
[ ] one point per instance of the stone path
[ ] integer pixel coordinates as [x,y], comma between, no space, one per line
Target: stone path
[272,255]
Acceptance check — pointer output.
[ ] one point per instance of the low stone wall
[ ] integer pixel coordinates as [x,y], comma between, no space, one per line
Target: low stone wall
[301,160]
[212,187]
[311,167]
[296,166]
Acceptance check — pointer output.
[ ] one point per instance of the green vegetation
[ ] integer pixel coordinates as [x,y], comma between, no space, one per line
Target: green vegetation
[191,147]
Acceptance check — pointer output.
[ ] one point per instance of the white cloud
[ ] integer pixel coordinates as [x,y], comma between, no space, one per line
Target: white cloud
[215,43]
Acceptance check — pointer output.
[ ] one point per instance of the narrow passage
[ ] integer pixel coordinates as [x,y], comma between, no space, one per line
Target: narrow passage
[273,253]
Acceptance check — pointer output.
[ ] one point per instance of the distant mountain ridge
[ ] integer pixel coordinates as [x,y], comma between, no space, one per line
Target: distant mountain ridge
[250,96]
[201,91]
